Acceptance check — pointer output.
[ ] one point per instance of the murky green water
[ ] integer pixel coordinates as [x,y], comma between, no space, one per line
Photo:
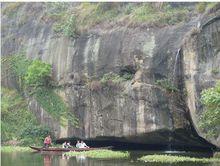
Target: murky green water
[57,159]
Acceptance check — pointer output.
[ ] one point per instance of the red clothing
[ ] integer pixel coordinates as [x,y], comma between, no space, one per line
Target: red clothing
[47,140]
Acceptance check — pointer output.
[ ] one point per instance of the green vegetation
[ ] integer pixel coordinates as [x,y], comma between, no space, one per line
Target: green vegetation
[34,135]
[38,73]
[70,21]
[11,9]
[64,21]
[66,27]
[109,80]
[16,67]
[90,14]
[101,154]
[215,71]
[9,149]
[167,85]
[166,15]
[175,159]
[34,77]
[94,13]
[55,106]
[201,7]
[115,78]
[210,118]
[17,122]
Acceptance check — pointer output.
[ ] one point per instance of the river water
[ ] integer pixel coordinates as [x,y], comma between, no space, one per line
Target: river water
[58,159]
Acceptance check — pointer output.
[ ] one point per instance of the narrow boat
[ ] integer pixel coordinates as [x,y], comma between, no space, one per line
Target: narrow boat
[67,149]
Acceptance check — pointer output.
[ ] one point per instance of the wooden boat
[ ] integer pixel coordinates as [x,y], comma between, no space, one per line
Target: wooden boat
[55,149]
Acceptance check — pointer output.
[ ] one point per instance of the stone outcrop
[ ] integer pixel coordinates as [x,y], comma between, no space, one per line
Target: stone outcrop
[136,111]
[201,58]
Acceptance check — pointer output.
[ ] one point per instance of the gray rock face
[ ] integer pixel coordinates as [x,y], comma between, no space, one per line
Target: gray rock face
[136,111]
[201,57]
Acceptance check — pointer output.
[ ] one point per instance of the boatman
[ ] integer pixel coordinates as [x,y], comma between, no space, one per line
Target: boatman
[47,141]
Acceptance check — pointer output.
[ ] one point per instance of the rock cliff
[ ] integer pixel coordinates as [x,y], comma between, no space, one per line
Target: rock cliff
[135,111]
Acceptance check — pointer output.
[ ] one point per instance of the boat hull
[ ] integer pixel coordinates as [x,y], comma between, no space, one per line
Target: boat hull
[67,149]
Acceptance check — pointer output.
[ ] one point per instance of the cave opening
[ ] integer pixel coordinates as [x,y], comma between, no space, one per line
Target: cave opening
[123,145]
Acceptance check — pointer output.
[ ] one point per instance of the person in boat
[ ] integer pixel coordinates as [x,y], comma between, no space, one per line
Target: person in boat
[83,145]
[47,141]
[78,144]
[64,145]
[68,145]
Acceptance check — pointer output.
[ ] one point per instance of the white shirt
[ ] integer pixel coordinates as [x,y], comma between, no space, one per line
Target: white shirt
[83,145]
[78,145]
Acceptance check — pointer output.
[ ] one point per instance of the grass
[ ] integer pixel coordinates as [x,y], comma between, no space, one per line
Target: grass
[9,149]
[88,15]
[101,154]
[175,159]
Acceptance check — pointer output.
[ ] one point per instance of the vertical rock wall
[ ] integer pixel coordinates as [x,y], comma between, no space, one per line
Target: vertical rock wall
[137,110]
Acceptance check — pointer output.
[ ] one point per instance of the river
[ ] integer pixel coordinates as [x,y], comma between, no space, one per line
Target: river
[57,159]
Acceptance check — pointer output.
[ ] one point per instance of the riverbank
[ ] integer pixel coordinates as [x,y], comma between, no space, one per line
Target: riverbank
[101,154]
[176,159]
[10,149]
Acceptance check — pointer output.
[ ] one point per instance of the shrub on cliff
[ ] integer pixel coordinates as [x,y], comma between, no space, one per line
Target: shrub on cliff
[37,73]
[167,85]
[34,77]
[200,7]
[66,27]
[210,118]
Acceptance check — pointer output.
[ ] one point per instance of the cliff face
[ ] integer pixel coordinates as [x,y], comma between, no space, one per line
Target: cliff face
[201,59]
[138,110]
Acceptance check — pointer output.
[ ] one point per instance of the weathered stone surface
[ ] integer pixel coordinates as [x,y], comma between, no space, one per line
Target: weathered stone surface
[201,54]
[137,111]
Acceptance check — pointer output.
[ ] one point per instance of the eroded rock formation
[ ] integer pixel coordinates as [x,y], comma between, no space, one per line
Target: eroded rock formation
[138,110]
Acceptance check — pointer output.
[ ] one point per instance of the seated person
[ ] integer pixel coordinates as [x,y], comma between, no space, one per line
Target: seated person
[68,145]
[78,144]
[64,145]
[83,145]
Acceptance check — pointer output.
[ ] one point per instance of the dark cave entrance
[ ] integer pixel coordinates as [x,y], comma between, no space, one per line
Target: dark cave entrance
[121,145]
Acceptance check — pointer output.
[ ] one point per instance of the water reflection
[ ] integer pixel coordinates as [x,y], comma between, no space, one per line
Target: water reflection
[59,159]
[80,159]
[65,157]
[47,160]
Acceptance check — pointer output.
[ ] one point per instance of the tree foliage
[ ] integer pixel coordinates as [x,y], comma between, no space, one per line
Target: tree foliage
[210,118]
[37,73]
[35,80]
[15,115]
